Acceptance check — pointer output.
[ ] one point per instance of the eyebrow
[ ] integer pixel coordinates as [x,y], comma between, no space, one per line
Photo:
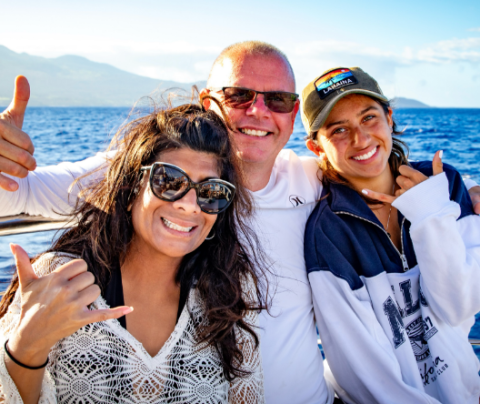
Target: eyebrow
[329,125]
[367,109]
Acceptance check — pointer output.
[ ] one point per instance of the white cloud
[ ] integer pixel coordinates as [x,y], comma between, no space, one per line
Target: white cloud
[191,61]
[477,29]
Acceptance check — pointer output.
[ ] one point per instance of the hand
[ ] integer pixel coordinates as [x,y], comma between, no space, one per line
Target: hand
[475,196]
[16,147]
[408,179]
[53,307]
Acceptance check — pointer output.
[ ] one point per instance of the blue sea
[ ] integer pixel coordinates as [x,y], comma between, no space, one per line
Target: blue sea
[72,134]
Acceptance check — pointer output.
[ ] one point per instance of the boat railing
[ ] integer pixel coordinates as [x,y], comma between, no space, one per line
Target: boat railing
[21,224]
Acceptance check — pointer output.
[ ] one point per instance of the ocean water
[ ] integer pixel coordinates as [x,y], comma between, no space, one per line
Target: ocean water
[72,134]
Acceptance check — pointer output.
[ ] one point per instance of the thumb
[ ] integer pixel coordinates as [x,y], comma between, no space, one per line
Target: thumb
[437,164]
[24,268]
[17,107]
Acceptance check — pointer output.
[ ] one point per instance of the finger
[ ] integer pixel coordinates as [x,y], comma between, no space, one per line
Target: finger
[416,176]
[16,136]
[378,196]
[95,316]
[88,295]
[437,163]
[17,107]
[7,184]
[9,167]
[405,183]
[71,269]
[26,275]
[82,281]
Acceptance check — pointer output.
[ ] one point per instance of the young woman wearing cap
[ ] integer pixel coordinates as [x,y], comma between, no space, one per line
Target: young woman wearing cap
[145,239]
[392,252]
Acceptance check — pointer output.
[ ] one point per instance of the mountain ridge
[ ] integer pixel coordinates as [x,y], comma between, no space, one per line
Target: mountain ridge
[75,81]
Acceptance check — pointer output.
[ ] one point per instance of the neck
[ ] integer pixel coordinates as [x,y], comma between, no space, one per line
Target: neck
[148,269]
[257,175]
[383,183]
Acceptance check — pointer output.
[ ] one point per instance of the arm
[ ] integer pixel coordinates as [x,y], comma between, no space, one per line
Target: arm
[41,192]
[447,249]
[363,364]
[49,308]
[46,191]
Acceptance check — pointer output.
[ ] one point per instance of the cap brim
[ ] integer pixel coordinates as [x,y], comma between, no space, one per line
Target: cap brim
[322,116]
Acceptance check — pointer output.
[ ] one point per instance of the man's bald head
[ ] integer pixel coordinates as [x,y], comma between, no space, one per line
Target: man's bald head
[231,58]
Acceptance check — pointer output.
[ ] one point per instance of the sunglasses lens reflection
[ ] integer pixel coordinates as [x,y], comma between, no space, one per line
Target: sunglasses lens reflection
[169,183]
[214,196]
[280,102]
[239,97]
[242,98]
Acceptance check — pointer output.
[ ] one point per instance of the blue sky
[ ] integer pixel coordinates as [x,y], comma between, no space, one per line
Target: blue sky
[425,50]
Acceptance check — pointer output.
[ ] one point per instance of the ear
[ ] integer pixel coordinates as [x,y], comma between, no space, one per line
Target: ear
[314,147]
[389,117]
[295,111]
[205,103]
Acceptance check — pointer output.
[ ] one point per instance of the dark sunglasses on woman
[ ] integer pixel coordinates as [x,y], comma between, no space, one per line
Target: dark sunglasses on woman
[170,183]
[242,98]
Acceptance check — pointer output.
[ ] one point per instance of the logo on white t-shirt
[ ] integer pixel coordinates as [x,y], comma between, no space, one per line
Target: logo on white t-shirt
[296,200]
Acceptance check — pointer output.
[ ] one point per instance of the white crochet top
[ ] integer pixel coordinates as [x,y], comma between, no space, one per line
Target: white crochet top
[104,363]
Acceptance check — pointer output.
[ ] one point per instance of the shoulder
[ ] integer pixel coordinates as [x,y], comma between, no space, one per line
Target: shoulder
[289,159]
[302,172]
[456,187]
[49,262]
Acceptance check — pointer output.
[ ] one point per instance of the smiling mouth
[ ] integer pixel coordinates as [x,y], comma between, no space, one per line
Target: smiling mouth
[366,156]
[174,226]
[253,132]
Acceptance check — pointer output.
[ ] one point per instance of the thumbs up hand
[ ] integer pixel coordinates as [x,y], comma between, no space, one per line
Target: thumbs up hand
[53,307]
[16,147]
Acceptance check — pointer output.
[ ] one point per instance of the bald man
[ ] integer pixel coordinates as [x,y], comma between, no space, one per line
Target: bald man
[285,189]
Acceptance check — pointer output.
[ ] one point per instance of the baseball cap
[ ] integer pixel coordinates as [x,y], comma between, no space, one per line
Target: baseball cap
[320,96]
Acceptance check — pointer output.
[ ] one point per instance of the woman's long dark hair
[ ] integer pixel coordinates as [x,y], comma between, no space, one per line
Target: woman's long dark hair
[219,267]
[398,157]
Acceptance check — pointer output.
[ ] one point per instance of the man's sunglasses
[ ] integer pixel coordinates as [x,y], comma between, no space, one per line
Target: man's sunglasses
[170,183]
[243,98]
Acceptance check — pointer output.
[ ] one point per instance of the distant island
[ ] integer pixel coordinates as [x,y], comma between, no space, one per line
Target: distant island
[74,81]
[401,103]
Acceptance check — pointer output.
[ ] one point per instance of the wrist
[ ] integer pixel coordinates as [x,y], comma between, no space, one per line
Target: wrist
[32,355]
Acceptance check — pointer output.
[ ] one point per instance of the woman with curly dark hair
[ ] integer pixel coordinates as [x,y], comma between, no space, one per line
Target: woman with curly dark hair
[160,233]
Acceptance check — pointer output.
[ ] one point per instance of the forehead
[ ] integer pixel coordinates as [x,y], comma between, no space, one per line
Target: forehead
[261,73]
[198,165]
[352,104]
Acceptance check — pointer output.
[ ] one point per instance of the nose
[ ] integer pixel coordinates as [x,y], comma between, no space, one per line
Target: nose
[361,137]
[258,107]
[188,202]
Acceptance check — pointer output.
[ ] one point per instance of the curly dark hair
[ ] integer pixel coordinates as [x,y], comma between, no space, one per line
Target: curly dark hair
[219,267]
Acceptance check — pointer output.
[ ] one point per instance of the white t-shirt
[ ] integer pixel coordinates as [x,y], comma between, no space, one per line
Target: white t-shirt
[292,362]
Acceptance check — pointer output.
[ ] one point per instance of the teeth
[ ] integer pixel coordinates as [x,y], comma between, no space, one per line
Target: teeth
[366,156]
[174,226]
[253,132]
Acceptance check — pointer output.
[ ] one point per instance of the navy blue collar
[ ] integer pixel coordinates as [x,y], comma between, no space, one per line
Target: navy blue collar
[346,199]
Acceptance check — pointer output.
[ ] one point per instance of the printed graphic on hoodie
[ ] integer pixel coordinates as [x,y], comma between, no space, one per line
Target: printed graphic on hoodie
[419,330]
